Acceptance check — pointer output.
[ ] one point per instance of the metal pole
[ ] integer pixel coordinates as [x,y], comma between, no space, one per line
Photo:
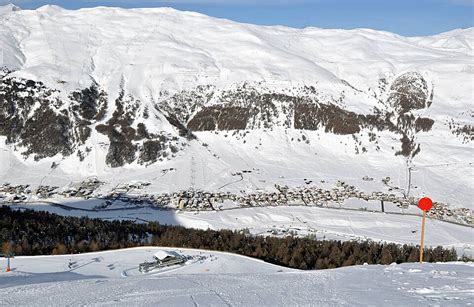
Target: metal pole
[422,236]
[8,263]
[383,209]
[409,181]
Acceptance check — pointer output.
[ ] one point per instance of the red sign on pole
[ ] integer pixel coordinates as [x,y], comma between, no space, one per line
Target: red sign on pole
[425,203]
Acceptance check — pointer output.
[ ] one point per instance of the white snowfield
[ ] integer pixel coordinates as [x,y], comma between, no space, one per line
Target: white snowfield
[155,48]
[147,51]
[221,279]
[336,224]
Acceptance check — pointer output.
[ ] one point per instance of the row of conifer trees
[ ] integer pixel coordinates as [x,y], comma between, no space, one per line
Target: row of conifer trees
[27,232]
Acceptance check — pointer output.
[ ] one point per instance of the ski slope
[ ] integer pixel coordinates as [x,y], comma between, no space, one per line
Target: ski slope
[221,279]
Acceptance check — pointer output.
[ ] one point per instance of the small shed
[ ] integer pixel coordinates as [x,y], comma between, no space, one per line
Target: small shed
[166,256]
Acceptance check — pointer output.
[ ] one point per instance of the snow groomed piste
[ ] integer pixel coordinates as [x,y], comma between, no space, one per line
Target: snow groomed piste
[222,279]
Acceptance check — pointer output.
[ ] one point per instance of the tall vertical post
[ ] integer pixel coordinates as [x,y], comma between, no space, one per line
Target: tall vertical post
[424,204]
[381,203]
[8,263]
[422,236]
[409,181]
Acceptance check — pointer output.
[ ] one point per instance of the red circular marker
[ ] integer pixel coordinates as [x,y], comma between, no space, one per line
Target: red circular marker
[425,203]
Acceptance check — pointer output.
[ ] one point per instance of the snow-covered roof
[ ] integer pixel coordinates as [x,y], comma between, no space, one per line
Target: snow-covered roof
[162,254]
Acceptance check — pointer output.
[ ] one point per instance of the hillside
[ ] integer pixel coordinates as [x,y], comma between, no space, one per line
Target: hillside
[182,100]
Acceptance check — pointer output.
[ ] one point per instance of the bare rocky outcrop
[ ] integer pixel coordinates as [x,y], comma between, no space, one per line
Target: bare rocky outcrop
[34,117]
[220,118]
[120,132]
[47,133]
[90,103]
[409,92]
[328,116]
[129,144]
[31,116]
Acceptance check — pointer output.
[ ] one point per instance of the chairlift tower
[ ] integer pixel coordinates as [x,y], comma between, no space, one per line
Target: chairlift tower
[410,168]
[193,173]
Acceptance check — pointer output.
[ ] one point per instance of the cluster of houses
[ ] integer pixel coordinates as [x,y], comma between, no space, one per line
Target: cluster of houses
[84,189]
[130,193]
[14,193]
[45,191]
[443,212]
[195,200]
[310,195]
[15,189]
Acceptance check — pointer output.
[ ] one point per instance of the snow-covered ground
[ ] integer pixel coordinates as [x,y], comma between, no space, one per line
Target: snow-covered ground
[221,279]
[147,51]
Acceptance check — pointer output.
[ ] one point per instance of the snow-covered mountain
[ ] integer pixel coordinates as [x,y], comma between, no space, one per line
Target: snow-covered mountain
[126,93]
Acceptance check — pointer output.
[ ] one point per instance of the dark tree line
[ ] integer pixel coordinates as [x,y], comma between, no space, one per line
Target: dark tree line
[27,232]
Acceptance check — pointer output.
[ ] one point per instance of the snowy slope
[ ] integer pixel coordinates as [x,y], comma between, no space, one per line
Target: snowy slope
[173,66]
[157,48]
[226,280]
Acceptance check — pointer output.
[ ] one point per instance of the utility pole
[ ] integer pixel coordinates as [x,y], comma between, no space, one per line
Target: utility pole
[409,181]
[410,168]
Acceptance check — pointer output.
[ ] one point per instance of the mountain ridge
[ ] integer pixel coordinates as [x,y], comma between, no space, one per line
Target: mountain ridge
[104,88]
[14,7]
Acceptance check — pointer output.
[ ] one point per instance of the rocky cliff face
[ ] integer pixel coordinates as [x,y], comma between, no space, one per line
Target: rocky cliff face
[248,108]
[39,123]
[42,124]
[34,118]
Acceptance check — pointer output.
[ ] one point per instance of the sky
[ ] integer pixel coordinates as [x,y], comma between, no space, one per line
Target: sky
[404,17]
